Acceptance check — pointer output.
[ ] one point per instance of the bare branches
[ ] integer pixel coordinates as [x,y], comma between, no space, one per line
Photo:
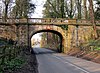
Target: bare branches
[92,18]
[54,8]
[70,8]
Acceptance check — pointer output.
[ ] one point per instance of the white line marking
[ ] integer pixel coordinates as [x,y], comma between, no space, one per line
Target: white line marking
[72,64]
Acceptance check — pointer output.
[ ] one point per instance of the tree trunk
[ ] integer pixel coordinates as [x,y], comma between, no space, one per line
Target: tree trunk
[6,13]
[62,9]
[85,9]
[92,18]
[79,8]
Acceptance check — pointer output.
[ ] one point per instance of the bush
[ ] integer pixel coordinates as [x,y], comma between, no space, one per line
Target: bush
[98,48]
[12,65]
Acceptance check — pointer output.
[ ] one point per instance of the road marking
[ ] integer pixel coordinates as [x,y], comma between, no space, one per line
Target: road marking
[77,67]
[72,64]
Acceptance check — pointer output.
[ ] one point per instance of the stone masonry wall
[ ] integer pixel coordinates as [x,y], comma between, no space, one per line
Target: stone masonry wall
[81,35]
[8,32]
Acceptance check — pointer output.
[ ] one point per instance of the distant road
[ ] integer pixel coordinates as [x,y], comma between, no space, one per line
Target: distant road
[51,62]
[36,46]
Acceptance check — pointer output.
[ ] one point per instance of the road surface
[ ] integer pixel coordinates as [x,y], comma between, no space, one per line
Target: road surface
[52,62]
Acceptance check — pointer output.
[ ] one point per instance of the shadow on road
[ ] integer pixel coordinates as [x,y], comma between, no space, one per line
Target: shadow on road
[46,51]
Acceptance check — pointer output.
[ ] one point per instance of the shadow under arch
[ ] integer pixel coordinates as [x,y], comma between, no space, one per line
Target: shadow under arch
[52,31]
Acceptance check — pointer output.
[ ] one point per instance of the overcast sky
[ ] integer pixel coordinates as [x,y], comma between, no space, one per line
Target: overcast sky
[39,8]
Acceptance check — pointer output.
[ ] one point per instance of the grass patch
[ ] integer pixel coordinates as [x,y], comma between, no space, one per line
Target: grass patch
[98,48]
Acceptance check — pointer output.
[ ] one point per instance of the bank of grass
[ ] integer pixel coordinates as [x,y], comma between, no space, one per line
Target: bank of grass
[23,62]
[89,51]
[95,44]
[15,63]
[10,59]
[97,48]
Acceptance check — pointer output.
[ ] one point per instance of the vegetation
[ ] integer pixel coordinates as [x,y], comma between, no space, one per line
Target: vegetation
[16,8]
[9,50]
[12,65]
[9,58]
[95,44]
[98,48]
[51,40]
[70,8]
[23,9]
[97,12]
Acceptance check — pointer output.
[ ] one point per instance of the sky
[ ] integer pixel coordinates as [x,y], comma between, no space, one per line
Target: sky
[38,14]
[39,8]
[37,36]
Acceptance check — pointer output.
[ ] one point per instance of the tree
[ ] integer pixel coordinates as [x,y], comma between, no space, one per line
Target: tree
[55,8]
[60,8]
[97,12]
[85,9]
[23,9]
[0,10]
[70,7]
[78,3]
[7,4]
[92,18]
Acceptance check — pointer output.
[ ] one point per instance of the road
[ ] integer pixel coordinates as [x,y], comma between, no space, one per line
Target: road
[52,62]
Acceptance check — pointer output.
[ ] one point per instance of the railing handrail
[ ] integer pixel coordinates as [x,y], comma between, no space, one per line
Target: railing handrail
[56,21]
[51,18]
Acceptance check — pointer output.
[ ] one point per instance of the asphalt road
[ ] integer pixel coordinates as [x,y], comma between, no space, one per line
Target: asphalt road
[52,62]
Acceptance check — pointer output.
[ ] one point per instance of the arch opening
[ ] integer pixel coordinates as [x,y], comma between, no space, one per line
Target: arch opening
[58,49]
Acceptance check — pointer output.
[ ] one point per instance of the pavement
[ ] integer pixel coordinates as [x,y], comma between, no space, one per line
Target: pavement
[52,62]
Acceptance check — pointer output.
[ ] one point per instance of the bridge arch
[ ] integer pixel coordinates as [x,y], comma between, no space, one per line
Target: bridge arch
[55,32]
[54,29]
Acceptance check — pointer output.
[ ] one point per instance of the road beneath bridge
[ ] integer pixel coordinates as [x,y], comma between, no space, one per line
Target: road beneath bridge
[52,62]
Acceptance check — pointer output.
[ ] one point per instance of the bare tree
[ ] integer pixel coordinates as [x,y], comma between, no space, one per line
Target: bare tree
[7,6]
[93,18]
[0,10]
[70,8]
[23,9]
[85,9]
[79,6]
[6,3]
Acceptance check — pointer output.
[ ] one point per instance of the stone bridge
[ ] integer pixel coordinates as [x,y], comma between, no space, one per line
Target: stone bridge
[22,30]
